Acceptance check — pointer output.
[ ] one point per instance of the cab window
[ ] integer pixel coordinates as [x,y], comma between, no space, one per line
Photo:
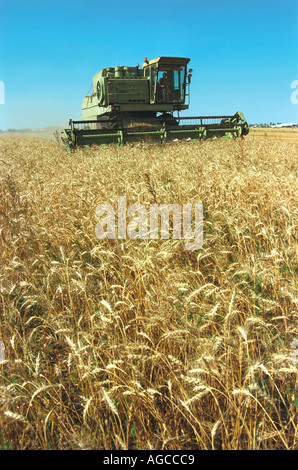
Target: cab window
[170,86]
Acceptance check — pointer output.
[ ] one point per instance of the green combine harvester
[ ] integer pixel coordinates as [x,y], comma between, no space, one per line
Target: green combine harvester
[133,104]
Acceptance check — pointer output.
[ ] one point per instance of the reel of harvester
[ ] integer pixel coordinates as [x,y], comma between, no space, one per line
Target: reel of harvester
[129,104]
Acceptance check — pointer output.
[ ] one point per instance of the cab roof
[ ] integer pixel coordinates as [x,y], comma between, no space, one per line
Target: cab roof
[168,60]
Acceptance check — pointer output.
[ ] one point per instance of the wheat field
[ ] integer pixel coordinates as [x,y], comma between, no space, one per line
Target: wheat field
[140,344]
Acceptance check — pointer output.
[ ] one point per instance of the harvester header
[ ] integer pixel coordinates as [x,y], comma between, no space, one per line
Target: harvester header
[131,104]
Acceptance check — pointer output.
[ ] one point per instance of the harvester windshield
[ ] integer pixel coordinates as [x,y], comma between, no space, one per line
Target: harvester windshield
[168,79]
[170,87]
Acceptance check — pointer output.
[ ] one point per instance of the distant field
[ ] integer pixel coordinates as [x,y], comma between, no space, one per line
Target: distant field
[140,344]
[274,134]
[47,133]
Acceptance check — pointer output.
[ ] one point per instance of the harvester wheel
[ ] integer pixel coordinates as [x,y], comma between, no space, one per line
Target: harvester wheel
[168,119]
[108,125]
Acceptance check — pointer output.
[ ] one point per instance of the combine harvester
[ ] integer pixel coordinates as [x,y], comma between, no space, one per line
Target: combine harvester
[130,104]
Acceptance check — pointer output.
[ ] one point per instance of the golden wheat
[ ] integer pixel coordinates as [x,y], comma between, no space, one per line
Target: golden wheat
[139,344]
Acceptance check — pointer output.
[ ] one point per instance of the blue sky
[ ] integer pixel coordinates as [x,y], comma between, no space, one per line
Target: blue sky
[244,55]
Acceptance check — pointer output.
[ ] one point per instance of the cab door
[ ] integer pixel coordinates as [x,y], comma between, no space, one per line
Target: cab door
[151,73]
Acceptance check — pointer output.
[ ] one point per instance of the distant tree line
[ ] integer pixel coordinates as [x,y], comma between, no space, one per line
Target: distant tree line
[265,124]
[16,130]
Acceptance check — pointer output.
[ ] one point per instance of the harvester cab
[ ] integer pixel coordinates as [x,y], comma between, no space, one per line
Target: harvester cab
[168,80]
[133,104]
